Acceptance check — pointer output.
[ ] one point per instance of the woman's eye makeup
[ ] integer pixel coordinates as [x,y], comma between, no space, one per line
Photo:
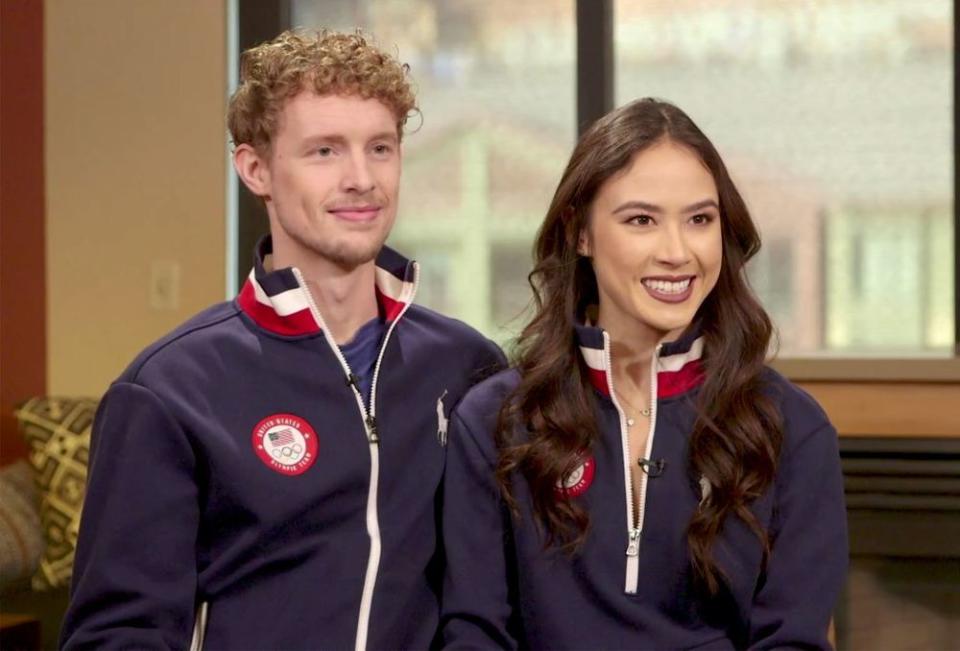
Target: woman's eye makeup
[699,219]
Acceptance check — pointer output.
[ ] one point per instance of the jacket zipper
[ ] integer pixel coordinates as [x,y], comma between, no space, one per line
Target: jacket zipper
[199,627]
[633,533]
[634,569]
[634,516]
[373,438]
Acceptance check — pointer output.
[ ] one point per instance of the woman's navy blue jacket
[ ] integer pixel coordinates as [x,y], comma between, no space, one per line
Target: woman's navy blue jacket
[630,586]
[241,494]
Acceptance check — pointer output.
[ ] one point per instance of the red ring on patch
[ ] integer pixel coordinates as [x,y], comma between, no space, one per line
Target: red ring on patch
[286,443]
[577,483]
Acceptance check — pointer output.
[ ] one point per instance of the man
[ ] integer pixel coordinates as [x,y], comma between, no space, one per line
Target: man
[266,476]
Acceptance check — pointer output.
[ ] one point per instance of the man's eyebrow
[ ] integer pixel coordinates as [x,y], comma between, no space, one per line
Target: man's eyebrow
[651,207]
[385,135]
[338,139]
[324,138]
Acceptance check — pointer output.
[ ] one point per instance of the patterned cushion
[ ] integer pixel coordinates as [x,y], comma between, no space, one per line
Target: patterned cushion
[58,432]
[21,542]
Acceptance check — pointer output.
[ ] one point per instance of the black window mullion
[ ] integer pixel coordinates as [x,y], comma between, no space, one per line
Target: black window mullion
[956,184]
[594,61]
[259,21]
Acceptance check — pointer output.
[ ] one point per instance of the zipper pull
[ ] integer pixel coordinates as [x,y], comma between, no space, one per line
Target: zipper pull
[372,435]
[633,548]
[353,381]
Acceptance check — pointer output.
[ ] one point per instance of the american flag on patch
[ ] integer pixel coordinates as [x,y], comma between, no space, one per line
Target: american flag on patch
[283,437]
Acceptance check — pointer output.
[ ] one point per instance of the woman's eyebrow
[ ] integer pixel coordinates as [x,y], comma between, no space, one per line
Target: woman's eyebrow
[700,205]
[650,207]
[641,205]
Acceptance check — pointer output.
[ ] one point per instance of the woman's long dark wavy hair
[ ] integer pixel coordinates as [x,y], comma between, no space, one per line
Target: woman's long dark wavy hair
[736,439]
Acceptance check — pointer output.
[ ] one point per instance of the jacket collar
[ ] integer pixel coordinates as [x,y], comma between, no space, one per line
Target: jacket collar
[279,303]
[679,363]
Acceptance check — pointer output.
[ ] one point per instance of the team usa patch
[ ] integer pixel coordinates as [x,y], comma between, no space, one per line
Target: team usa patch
[577,483]
[286,443]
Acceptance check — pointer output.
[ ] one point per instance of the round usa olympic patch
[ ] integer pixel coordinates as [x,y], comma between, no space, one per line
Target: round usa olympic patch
[286,443]
[578,481]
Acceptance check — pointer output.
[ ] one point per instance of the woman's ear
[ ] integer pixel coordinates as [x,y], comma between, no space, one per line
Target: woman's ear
[583,243]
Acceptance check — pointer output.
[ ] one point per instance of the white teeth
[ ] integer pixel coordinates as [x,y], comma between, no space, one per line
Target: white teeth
[667,287]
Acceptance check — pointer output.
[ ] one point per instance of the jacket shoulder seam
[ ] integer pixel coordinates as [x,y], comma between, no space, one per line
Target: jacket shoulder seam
[172,340]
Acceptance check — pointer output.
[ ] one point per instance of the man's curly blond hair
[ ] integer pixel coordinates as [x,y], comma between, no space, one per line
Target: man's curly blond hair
[324,62]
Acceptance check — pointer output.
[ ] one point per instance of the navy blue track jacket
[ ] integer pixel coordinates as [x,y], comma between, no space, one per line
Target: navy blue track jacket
[241,494]
[630,586]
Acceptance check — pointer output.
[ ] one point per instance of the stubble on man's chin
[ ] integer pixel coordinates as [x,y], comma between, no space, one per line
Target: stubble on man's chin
[345,256]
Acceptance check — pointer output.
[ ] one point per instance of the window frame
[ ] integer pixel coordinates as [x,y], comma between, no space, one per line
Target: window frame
[260,20]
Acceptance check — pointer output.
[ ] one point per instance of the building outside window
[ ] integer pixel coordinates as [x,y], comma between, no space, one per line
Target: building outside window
[835,118]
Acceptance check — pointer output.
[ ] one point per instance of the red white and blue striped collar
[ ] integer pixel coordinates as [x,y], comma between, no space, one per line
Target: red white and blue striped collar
[679,366]
[277,302]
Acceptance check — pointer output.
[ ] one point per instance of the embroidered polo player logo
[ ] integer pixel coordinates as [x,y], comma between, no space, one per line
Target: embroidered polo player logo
[704,490]
[285,443]
[441,420]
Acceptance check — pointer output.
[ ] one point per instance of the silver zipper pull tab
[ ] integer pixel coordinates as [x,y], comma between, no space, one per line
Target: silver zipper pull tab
[372,434]
[633,547]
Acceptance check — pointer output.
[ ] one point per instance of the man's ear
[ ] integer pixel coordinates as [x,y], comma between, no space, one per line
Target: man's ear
[252,170]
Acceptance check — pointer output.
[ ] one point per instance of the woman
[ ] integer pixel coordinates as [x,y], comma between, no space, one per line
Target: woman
[640,479]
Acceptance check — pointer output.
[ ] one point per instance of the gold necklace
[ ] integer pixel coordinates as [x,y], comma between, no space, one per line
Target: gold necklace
[645,412]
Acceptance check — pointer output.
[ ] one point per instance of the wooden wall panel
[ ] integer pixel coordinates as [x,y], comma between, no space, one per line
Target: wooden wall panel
[894,409]
[23,341]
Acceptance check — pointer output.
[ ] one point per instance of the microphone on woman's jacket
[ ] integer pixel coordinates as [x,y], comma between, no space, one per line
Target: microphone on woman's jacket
[653,468]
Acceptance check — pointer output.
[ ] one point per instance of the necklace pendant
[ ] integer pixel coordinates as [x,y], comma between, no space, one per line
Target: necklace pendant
[630,422]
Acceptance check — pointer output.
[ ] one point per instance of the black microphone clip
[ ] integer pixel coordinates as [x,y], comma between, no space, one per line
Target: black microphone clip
[653,468]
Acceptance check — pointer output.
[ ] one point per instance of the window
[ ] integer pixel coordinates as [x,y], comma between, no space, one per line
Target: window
[835,117]
[480,171]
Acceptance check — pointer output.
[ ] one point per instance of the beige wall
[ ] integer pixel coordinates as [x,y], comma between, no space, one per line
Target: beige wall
[135,101]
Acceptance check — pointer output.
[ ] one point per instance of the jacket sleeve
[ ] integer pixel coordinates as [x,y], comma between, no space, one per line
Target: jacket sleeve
[807,566]
[134,581]
[489,360]
[477,601]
